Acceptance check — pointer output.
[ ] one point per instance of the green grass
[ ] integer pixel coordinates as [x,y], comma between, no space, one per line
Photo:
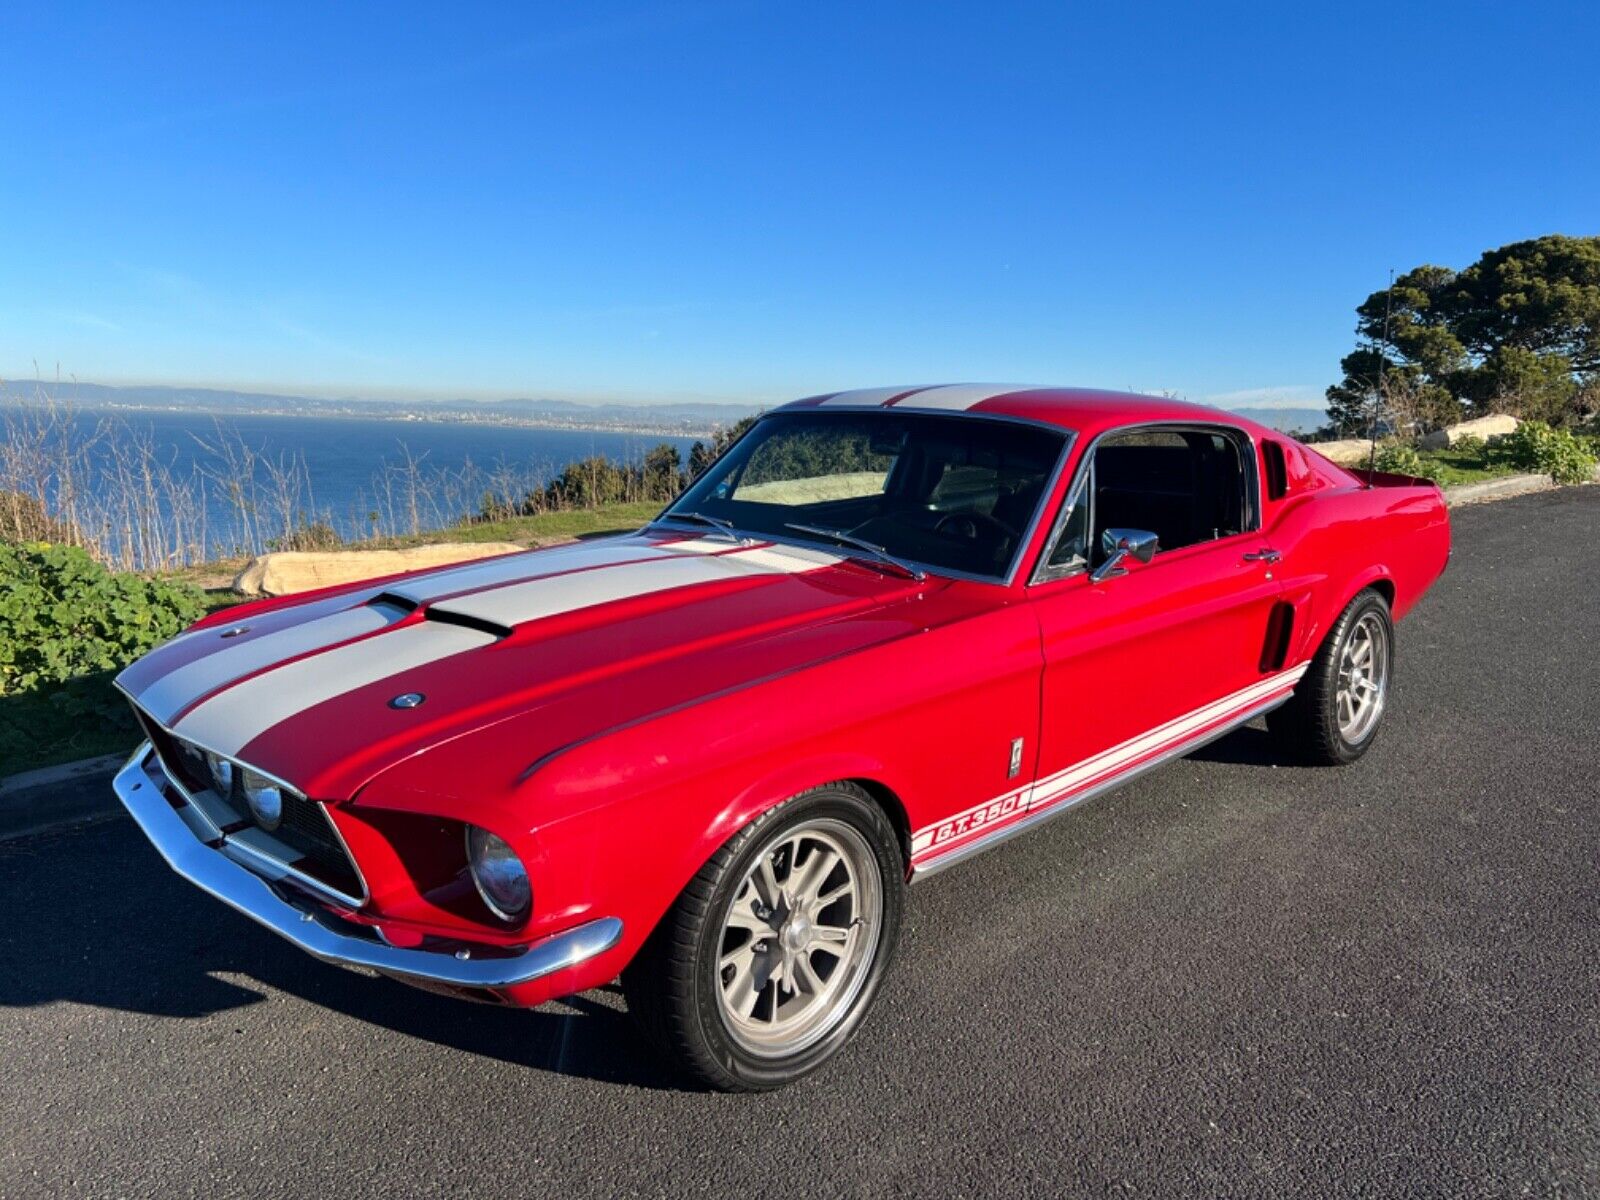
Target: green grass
[1456,468]
[536,531]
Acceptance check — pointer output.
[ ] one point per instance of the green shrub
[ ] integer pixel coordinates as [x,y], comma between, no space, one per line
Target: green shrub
[63,615]
[1470,445]
[1535,447]
[67,624]
[1397,458]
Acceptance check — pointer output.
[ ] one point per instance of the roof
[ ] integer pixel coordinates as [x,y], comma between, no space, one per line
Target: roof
[1087,410]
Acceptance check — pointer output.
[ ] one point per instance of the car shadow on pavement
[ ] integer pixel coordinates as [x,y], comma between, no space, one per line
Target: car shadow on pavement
[1246,747]
[93,917]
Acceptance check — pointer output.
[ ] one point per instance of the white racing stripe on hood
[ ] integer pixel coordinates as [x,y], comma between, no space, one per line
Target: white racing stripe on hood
[498,571]
[514,568]
[518,603]
[167,696]
[232,719]
[789,560]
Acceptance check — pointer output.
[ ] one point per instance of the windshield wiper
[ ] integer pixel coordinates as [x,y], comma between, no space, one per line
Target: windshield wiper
[719,524]
[849,539]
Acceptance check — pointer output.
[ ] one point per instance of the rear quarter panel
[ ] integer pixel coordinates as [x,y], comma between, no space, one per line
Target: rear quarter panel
[1338,537]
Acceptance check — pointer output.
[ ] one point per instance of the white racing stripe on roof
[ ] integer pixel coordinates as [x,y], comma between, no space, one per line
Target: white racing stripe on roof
[234,659]
[867,397]
[961,395]
[233,719]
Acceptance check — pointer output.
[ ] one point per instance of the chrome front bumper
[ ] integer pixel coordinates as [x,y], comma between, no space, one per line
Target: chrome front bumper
[313,930]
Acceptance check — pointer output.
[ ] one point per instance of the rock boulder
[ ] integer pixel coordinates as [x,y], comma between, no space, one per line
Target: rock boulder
[288,571]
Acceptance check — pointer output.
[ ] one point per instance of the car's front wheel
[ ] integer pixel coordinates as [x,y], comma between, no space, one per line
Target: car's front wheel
[1333,716]
[770,958]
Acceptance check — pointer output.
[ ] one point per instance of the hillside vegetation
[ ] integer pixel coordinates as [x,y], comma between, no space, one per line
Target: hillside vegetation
[1517,331]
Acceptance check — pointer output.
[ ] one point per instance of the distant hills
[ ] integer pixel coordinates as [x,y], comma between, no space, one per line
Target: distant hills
[676,419]
[682,420]
[1285,420]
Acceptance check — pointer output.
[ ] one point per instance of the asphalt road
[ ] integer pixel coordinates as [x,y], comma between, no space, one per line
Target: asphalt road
[1231,978]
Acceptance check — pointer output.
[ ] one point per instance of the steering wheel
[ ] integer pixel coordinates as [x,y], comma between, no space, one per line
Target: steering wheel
[968,525]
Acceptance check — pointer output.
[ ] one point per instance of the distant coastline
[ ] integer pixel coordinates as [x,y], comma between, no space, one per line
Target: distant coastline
[355,413]
[671,419]
[666,420]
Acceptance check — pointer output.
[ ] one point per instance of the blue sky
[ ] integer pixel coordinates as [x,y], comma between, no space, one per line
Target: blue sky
[749,201]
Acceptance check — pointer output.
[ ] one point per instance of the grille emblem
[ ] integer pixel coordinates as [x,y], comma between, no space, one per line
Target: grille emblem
[407,700]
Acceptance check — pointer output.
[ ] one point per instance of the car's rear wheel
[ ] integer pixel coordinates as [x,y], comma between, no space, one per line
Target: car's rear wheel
[1334,714]
[770,958]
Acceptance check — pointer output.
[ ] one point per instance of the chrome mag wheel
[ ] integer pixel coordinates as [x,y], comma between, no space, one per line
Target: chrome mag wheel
[799,938]
[1363,678]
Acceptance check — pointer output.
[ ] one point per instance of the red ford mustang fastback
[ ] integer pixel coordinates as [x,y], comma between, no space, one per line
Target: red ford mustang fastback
[886,630]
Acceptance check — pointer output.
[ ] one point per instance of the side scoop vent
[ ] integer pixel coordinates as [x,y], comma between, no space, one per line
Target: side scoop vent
[1280,630]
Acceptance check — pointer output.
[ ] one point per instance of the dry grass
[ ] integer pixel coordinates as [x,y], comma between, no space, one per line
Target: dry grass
[100,482]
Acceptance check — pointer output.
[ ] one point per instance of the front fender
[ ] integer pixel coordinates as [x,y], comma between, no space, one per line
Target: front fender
[616,824]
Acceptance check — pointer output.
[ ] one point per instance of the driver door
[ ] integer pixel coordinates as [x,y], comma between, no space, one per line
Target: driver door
[1153,656]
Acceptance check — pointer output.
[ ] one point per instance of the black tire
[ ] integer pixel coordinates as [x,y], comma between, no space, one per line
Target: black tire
[1307,727]
[673,985]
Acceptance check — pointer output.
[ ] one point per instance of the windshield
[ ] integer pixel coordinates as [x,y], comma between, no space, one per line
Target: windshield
[948,493]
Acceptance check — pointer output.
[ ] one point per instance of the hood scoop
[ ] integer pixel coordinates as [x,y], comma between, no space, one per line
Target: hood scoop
[467,620]
[398,606]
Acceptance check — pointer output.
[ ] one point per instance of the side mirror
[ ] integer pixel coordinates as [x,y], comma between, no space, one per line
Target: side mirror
[1121,544]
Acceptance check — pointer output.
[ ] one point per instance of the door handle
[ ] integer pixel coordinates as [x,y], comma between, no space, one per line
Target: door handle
[1266,556]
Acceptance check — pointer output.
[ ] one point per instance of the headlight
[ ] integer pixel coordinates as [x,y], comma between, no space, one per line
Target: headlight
[498,873]
[264,797]
[221,770]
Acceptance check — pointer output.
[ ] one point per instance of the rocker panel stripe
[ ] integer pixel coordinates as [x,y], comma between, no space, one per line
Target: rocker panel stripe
[1002,810]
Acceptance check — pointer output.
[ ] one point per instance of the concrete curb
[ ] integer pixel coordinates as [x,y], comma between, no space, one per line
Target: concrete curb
[1497,489]
[54,797]
[105,764]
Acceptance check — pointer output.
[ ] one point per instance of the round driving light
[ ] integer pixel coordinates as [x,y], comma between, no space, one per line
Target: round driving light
[221,770]
[497,872]
[264,797]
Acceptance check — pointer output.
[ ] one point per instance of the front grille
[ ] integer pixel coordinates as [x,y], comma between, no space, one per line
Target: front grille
[307,828]
[305,840]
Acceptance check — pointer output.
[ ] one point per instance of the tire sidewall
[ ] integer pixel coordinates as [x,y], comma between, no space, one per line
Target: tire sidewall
[1367,602]
[755,1072]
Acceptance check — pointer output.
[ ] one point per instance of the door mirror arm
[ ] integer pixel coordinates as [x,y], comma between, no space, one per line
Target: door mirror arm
[1119,545]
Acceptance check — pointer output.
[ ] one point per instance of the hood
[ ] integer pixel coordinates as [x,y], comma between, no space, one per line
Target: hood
[585,636]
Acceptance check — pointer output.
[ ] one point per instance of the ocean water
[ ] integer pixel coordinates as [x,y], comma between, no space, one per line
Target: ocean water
[350,465]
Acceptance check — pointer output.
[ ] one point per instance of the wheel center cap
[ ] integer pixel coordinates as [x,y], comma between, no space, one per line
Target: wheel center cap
[796,933]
